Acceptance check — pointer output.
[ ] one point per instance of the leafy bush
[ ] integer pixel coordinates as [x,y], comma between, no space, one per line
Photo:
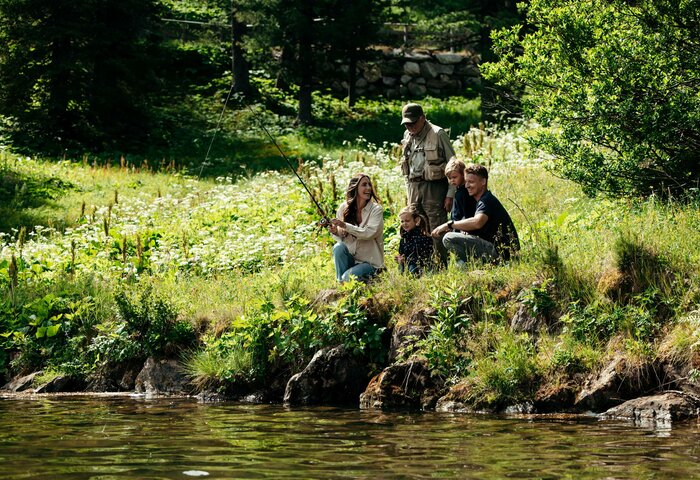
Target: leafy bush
[146,325]
[507,374]
[443,347]
[360,334]
[597,322]
[615,84]
[51,330]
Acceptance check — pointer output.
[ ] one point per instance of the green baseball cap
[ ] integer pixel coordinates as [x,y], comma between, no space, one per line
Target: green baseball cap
[411,112]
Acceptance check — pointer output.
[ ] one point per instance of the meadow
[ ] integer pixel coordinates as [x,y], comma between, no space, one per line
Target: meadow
[104,263]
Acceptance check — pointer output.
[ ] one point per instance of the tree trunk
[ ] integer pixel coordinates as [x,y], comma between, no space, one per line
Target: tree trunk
[239,64]
[306,64]
[352,78]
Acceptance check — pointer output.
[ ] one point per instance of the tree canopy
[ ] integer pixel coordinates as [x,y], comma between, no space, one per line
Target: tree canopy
[106,75]
[616,86]
[78,73]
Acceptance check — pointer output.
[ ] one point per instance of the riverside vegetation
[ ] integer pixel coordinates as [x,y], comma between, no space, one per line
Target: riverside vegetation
[106,264]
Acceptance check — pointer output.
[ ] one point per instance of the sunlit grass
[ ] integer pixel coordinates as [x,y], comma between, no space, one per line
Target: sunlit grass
[222,250]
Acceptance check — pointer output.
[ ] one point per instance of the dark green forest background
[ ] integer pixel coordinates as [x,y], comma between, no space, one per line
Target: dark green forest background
[140,76]
[614,84]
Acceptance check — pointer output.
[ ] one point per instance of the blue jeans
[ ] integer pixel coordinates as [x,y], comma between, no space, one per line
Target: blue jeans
[412,268]
[345,265]
[469,246]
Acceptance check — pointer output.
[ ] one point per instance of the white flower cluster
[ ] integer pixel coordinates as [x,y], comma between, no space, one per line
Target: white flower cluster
[200,227]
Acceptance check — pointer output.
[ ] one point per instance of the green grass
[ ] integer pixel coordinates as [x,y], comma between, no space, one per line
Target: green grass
[240,258]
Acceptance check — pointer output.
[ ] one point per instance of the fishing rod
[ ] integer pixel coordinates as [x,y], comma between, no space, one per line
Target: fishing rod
[324,218]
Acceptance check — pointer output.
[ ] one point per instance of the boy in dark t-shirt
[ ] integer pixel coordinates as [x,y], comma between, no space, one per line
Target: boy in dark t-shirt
[490,233]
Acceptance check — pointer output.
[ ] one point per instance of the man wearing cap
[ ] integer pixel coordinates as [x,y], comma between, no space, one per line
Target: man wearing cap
[426,151]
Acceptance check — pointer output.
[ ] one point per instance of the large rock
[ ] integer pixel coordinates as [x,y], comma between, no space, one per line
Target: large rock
[456,399]
[119,377]
[411,68]
[162,377]
[616,383]
[679,377]
[448,58]
[22,383]
[406,333]
[555,398]
[334,376]
[446,70]
[417,90]
[406,385]
[417,56]
[428,70]
[662,408]
[372,73]
[523,321]
[62,383]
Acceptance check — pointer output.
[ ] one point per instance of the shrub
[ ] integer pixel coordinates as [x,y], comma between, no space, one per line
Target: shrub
[444,347]
[615,84]
[146,325]
[358,332]
[221,363]
[507,374]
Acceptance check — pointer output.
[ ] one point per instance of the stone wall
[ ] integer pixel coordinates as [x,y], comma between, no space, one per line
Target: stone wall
[411,74]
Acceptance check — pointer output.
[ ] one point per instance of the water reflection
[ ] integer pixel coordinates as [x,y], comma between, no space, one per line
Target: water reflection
[103,438]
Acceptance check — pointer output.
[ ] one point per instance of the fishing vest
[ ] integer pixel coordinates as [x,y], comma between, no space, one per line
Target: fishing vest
[435,161]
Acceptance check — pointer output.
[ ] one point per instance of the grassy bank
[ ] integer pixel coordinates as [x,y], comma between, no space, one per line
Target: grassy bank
[125,261]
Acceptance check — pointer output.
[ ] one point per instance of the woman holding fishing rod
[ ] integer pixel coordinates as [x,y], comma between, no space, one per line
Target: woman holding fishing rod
[359,232]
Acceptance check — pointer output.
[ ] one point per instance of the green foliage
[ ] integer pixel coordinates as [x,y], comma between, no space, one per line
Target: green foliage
[444,346]
[682,345]
[50,330]
[538,299]
[298,332]
[282,338]
[360,334]
[20,193]
[570,360]
[222,361]
[639,319]
[78,75]
[146,325]
[644,269]
[506,375]
[615,85]
[242,255]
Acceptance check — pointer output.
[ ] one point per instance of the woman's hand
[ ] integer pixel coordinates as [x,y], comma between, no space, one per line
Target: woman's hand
[338,223]
[336,227]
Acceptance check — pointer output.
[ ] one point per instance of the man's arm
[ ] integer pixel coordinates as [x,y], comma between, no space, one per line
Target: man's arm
[465,225]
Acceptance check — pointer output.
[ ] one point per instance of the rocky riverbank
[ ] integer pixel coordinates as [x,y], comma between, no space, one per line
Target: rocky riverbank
[652,392]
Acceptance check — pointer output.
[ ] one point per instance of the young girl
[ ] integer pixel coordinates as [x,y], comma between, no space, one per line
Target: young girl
[416,246]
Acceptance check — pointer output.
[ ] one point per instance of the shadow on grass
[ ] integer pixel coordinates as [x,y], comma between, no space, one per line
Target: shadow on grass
[231,155]
[22,198]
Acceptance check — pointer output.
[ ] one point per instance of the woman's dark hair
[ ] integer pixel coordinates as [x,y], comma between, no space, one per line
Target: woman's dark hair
[350,215]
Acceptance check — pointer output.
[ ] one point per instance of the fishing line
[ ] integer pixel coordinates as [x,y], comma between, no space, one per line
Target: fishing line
[216,130]
[324,217]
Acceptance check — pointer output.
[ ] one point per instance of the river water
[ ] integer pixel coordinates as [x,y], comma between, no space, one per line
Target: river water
[87,437]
